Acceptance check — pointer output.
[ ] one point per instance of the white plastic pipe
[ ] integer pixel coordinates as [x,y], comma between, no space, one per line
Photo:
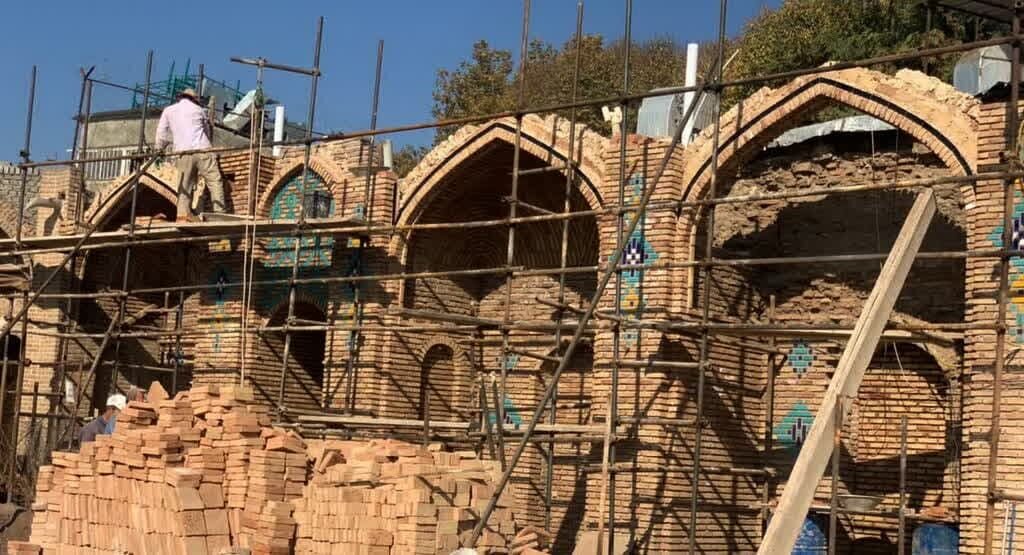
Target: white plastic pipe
[278,128]
[689,80]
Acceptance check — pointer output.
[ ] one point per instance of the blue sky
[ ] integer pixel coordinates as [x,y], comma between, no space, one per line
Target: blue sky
[60,36]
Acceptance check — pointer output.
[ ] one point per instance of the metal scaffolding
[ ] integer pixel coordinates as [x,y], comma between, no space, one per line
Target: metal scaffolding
[562,334]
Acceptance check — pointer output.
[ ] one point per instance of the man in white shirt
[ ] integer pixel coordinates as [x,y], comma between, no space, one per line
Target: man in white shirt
[184,124]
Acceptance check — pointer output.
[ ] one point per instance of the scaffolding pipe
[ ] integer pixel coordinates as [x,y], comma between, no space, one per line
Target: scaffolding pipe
[126,273]
[608,448]
[707,283]
[1012,124]
[25,156]
[314,82]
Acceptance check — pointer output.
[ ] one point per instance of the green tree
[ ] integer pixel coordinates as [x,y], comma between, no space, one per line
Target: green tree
[489,83]
[479,86]
[406,158]
[809,33]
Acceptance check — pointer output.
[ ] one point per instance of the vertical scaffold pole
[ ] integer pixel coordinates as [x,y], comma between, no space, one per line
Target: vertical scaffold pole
[301,220]
[608,450]
[1012,124]
[706,281]
[357,265]
[512,210]
[570,182]
[12,442]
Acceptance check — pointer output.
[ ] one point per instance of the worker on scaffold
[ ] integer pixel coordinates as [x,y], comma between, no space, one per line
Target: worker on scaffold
[185,125]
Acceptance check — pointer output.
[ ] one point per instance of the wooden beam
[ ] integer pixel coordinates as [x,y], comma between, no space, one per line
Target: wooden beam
[814,455]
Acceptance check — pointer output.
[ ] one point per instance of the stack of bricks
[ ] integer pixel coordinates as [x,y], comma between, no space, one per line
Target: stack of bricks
[276,476]
[270,529]
[393,498]
[205,474]
[232,426]
[15,547]
[111,502]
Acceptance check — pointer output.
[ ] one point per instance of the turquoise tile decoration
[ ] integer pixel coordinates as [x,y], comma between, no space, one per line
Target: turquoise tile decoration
[800,357]
[314,251]
[792,430]
[220,295]
[636,252]
[1016,303]
[511,361]
[512,416]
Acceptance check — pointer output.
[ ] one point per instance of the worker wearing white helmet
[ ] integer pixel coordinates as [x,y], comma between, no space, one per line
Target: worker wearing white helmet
[104,422]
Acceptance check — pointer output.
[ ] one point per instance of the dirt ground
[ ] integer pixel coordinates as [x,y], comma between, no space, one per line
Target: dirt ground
[15,524]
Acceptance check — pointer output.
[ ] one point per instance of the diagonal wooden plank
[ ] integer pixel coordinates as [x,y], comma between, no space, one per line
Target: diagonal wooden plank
[817,448]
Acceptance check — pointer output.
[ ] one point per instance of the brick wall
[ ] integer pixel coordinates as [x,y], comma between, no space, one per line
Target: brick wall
[984,216]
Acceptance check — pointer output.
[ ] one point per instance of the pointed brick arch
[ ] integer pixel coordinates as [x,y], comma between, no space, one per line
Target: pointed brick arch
[332,175]
[159,180]
[545,138]
[934,113]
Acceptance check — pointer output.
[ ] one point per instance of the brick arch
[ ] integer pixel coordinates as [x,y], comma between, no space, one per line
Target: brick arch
[110,198]
[457,386]
[434,340]
[331,174]
[545,138]
[932,112]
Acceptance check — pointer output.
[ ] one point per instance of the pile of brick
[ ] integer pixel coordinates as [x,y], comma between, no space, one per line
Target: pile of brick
[389,497]
[161,482]
[204,473]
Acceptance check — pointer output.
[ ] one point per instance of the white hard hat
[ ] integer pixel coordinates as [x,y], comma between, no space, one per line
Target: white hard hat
[117,401]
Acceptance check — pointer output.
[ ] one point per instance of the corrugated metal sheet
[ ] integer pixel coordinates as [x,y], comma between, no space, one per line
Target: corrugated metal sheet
[852,124]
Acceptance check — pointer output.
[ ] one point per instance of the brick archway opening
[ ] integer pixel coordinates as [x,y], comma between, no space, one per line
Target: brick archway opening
[849,223]
[445,392]
[139,360]
[477,190]
[304,379]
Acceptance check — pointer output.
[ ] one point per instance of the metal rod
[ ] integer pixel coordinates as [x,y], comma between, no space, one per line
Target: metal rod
[833,504]
[633,97]
[368,202]
[25,156]
[31,462]
[314,81]
[901,545]
[179,323]
[500,427]
[196,234]
[769,416]
[126,273]
[707,283]
[581,328]
[371,174]
[1012,125]
[608,454]
[80,140]
[510,248]
[256,123]
[313,72]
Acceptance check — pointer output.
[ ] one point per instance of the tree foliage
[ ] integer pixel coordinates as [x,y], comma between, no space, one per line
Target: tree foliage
[489,82]
[809,33]
[799,34]
[406,158]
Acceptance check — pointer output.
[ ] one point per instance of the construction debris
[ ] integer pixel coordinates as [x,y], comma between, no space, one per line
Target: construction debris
[204,473]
